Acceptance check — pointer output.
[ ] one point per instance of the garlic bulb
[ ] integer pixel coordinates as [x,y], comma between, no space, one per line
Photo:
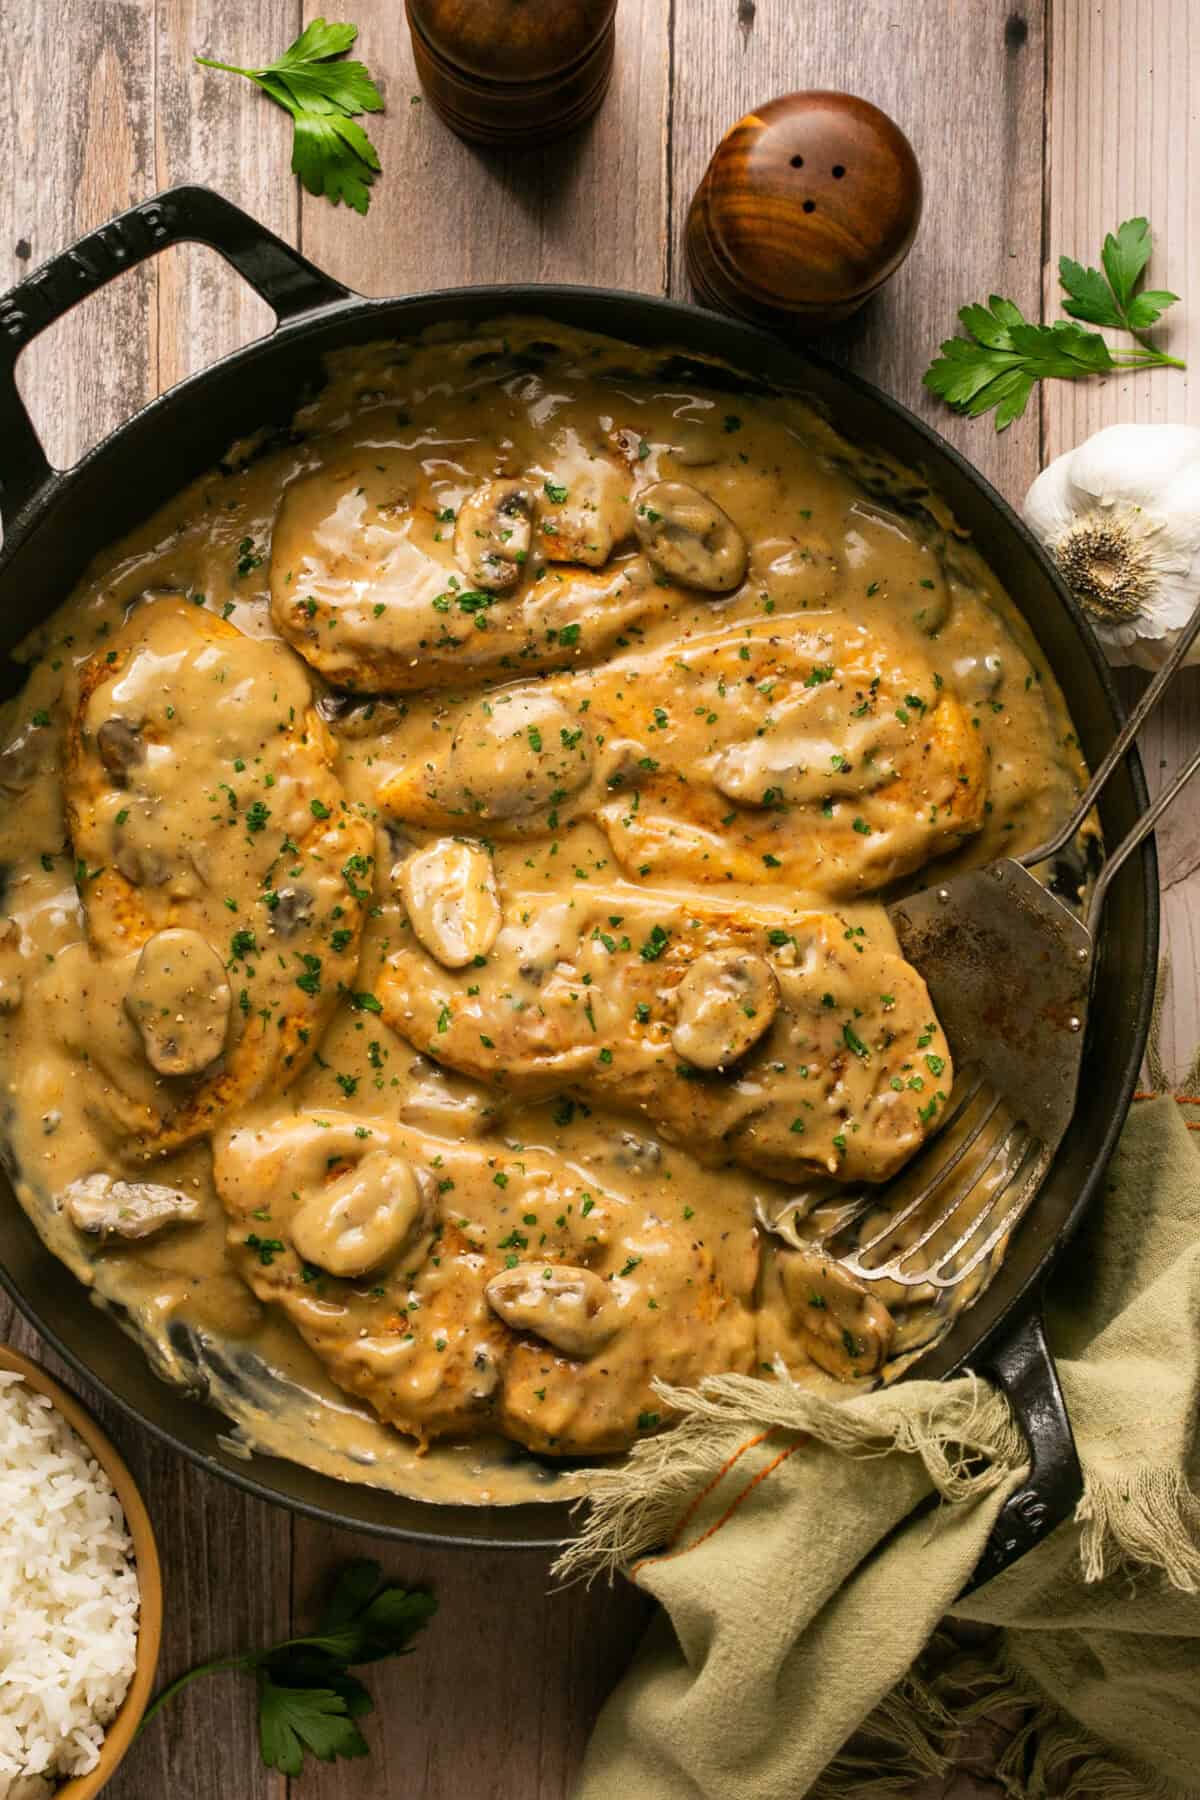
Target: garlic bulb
[1122,516]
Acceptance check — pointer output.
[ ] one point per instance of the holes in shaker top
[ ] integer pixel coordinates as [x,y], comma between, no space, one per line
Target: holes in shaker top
[809,206]
[838,171]
[797,162]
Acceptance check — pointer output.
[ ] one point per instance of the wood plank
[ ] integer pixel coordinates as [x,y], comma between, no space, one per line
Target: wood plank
[218,129]
[498,1700]
[1125,134]
[964,80]
[88,372]
[591,207]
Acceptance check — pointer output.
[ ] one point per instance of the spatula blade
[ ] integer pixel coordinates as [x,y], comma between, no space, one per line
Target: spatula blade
[1008,968]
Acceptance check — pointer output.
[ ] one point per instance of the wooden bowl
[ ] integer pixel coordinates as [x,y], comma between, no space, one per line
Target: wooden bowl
[806,209]
[119,1735]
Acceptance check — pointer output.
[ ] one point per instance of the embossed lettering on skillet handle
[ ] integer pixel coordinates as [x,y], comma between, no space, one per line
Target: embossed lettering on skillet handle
[1020,1362]
[286,281]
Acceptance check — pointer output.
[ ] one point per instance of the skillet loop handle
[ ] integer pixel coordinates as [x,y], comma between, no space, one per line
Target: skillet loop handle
[287,281]
[1022,1365]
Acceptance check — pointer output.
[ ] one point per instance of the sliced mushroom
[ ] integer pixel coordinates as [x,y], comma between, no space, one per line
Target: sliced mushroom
[293,911]
[874,535]
[120,745]
[514,756]
[141,849]
[492,534]
[102,1207]
[21,759]
[571,1309]
[628,445]
[356,716]
[449,890]
[584,511]
[839,1322]
[977,676]
[642,1155]
[724,1003]
[179,1000]
[142,866]
[689,537]
[365,1218]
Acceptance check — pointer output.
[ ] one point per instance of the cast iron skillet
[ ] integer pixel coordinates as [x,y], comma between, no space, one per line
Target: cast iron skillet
[54,522]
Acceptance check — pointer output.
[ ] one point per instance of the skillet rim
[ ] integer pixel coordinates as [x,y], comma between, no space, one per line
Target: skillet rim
[336,324]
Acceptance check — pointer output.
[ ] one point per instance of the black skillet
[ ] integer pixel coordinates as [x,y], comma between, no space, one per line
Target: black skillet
[54,522]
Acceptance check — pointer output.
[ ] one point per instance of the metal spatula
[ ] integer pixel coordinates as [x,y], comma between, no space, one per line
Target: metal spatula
[1009,969]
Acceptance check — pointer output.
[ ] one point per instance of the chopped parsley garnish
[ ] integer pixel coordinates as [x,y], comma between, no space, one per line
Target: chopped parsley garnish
[310,981]
[268,1248]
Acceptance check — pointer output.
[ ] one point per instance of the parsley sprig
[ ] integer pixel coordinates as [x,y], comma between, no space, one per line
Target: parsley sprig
[1005,353]
[331,153]
[307,1699]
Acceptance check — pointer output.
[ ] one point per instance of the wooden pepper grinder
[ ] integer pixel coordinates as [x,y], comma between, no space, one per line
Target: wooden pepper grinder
[807,207]
[513,73]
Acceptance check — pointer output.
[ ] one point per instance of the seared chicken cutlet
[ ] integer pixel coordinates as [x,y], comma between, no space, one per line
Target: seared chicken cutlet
[383,590]
[815,755]
[462,1287]
[220,870]
[790,1043]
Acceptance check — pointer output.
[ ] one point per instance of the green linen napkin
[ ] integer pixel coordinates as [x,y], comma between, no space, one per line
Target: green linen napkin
[801,1573]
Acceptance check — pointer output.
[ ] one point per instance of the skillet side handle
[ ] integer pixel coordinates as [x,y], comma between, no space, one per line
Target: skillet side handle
[1020,1363]
[287,281]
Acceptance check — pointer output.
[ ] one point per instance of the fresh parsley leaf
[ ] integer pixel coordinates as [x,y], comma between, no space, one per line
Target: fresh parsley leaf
[307,1699]
[1091,298]
[335,157]
[1148,306]
[331,154]
[293,1720]
[1125,254]
[1108,297]
[996,365]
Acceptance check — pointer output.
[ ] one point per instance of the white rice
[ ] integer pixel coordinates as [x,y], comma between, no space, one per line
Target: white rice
[68,1598]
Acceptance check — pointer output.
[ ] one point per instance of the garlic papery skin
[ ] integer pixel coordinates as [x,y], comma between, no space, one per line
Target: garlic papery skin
[1121,516]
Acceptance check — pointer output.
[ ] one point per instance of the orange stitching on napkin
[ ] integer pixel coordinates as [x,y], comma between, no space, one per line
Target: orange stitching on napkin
[716,1481]
[718,1478]
[802,1438]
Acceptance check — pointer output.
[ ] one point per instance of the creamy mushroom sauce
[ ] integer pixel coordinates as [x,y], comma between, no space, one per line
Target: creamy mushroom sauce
[540,952]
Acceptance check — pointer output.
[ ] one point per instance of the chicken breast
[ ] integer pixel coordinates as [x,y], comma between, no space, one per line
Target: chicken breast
[791,1043]
[822,757]
[384,591]
[221,872]
[514,1293]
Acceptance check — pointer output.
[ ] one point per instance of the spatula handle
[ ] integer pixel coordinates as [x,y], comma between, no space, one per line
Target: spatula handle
[287,281]
[1110,761]
[1020,1362]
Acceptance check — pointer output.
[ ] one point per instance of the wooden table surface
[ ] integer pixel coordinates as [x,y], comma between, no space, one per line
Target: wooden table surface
[1039,125]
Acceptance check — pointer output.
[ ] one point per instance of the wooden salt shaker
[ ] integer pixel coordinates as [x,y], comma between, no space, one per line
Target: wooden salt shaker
[807,207]
[513,73]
